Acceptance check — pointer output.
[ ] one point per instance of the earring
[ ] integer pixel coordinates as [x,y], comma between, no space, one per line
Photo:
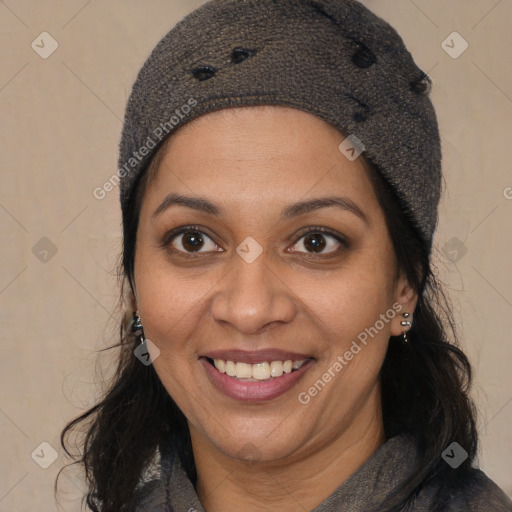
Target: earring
[137,327]
[405,323]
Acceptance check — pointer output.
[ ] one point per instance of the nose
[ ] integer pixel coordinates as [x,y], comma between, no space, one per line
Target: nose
[253,297]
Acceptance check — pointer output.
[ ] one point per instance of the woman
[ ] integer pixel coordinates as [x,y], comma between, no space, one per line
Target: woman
[280,175]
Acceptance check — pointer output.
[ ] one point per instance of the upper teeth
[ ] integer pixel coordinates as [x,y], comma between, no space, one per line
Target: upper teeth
[258,371]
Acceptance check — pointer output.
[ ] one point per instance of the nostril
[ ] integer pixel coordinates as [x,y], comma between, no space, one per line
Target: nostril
[240,54]
[363,56]
[204,72]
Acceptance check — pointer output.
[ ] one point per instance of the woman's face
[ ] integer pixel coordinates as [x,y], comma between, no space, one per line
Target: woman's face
[235,262]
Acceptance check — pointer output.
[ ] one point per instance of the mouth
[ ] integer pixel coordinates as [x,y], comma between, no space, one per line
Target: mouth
[257,372]
[257,376]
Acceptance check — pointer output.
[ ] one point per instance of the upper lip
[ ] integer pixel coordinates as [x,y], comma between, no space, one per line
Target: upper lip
[256,356]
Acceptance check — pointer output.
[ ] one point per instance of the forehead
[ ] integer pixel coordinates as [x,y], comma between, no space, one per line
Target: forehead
[257,132]
[254,155]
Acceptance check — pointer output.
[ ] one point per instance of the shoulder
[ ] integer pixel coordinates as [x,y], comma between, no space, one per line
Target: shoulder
[468,490]
[150,497]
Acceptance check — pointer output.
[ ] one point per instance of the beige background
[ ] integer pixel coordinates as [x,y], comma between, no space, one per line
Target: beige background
[60,126]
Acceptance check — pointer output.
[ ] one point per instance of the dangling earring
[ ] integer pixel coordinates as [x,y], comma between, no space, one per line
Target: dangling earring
[405,323]
[137,327]
[146,351]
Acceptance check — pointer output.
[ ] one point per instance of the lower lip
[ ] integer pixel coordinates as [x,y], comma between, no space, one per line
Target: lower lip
[249,391]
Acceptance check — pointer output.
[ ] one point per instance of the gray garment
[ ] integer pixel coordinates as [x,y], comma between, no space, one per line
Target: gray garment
[391,464]
[334,59]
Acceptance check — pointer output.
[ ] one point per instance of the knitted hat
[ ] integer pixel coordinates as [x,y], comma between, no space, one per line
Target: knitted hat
[332,58]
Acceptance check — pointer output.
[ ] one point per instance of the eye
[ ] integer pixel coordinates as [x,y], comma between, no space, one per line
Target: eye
[189,240]
[317,239]
[192,239]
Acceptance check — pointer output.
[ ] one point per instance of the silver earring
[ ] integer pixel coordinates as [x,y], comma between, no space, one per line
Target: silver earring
[405,323]
[137,328]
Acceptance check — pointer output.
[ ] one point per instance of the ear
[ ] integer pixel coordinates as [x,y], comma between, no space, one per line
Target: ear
[406,296]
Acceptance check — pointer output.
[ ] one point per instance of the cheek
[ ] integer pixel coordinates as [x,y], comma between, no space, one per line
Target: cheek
[353,340]
[351,299]
[170,312]
[168,300]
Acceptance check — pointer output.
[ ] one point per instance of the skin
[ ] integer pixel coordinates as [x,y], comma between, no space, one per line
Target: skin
[252,162]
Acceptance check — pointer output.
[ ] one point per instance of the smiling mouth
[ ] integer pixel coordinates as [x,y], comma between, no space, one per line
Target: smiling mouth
[263,371]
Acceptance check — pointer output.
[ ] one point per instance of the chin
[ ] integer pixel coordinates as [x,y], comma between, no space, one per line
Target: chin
[262,449]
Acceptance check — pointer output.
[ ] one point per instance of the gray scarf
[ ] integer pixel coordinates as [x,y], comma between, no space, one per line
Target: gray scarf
[364,491]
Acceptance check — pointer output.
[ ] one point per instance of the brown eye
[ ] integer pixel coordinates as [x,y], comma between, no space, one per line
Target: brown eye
[190,240]
[315,241]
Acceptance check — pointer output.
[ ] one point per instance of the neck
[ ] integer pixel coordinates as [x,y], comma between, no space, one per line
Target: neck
[296,485]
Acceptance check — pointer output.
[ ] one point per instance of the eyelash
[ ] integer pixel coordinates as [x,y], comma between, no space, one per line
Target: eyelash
[171,235]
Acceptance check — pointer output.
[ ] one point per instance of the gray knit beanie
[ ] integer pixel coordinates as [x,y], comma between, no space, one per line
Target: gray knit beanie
[332,58]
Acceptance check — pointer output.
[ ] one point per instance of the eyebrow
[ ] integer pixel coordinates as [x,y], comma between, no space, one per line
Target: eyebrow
[294,210]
